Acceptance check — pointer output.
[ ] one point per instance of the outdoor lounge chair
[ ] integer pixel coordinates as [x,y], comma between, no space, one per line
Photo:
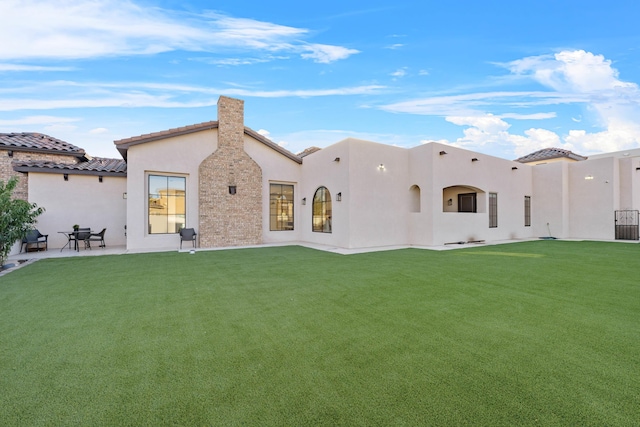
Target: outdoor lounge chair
[96,237]
[186,235]
[34,237]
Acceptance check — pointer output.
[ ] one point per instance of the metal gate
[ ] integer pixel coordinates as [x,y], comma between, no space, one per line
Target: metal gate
[627,225]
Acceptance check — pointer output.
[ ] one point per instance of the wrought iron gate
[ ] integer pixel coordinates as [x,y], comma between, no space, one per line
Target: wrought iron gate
[627,225]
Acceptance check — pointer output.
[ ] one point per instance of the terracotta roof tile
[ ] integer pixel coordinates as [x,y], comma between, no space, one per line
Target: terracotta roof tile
[31,141]
[94,166]
[548,154]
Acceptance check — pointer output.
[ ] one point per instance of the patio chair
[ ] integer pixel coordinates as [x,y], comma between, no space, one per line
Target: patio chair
[82,235]
[96,237]
[34,237]
[186,235]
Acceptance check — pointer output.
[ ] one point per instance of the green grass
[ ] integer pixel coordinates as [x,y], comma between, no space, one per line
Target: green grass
[539,333]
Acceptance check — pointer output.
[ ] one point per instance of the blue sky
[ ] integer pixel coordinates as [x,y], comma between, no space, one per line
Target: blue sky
[503,78]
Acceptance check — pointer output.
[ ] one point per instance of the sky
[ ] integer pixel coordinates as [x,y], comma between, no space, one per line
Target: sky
[504,78]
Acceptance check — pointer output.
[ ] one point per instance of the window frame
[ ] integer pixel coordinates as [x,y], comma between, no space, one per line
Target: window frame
[473,197]
[493,210]
[321,211]
[281,208]
[175,215]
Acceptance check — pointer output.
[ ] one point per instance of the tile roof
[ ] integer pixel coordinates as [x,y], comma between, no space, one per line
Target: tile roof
[94,166]
[548,154]
[123,144]
[307,151]
[37,142]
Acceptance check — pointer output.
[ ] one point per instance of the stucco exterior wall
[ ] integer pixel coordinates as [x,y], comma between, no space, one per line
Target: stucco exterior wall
[277,169]
[377,197]
[6,168]
[485,175]
[593,190]
[81,200]
[181,156]
[321,170]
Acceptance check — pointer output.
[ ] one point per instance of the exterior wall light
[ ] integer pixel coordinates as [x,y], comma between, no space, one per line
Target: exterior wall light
[442,153]
[381,167]
[100,178]
[588,177]
[514,168]
[475,159]
[304,200]
[66,177]
[337,159]
[232,189]
[339,197]
[449,202]
[10,153]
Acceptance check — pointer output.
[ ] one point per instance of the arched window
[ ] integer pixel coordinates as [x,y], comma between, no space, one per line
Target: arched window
[321,221]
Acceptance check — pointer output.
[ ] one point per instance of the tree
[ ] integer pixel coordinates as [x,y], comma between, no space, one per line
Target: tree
[16,217]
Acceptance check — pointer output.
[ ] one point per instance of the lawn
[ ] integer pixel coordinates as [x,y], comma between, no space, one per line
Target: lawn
[538,333]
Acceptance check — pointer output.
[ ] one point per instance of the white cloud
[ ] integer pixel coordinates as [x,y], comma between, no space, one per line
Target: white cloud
[37,120]
[400,72]
[68,94]
[264,133]
[97,131]
[22,67]
[579,78]
[325,54]
[33,29]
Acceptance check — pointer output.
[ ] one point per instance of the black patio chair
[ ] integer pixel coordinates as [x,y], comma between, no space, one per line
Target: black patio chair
[96,237]
[188,235]
[34,237]
[82,235]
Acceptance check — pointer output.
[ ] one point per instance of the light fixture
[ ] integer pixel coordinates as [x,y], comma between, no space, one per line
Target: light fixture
[124,196]
[232,189]
[514,168]
[66,177]
[442,153]
[304,200]
[475,159]
[588,177]
[449,202]
[339,197]
[10,153]
[100,178]
[638,169]
[381,167]
[337,159]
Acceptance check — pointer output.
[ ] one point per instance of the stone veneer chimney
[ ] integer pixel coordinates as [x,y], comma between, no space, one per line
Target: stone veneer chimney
[230,185]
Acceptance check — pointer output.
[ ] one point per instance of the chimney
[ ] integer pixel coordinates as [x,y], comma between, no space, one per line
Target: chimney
[230,123]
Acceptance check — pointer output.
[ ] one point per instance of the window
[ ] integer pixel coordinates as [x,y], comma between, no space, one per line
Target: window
[493,210]
[467,202]
[280,207]
[527,211]
[321,220]
[167,204]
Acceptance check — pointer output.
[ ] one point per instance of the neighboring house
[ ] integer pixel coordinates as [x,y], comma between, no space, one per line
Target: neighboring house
[238,188]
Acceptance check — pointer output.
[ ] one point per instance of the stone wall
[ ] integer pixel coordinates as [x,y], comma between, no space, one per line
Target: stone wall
[230,185]
[6,168]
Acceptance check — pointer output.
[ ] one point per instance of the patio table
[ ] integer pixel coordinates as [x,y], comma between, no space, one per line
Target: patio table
[72,235]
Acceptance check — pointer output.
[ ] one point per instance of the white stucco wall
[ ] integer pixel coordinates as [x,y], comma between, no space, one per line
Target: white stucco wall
[593,201]
[181,156]
[486,175]
[277,169]
[81,200]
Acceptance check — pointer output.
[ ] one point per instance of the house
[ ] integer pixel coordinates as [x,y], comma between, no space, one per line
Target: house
[238,188]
